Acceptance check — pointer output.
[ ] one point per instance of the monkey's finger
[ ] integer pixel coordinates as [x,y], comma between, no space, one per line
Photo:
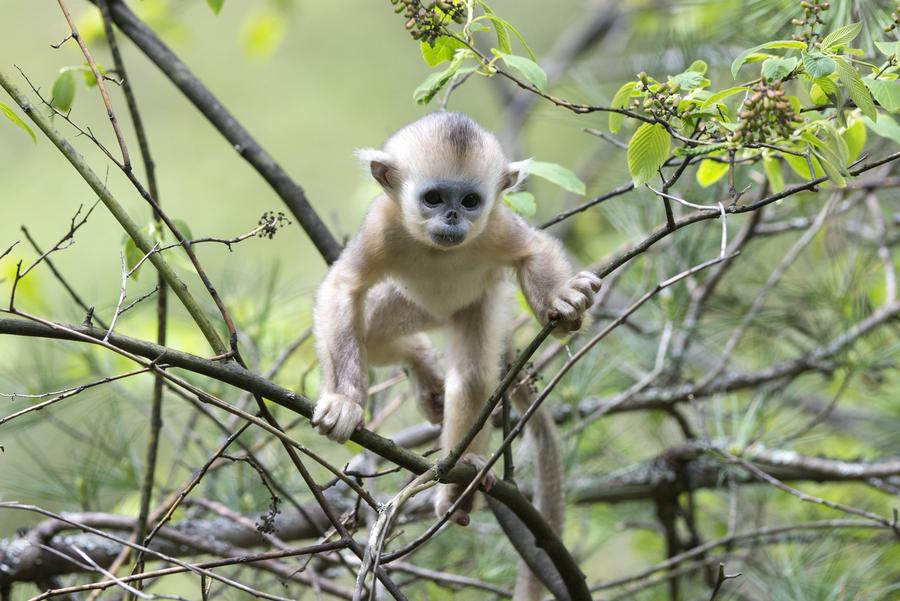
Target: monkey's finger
[577,298]
[564,310]
[591,278]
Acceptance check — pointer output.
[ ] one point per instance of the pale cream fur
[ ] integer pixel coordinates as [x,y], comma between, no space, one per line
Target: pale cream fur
[392,283]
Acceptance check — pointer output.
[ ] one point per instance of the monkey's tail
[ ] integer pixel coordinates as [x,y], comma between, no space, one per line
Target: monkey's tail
[548,484]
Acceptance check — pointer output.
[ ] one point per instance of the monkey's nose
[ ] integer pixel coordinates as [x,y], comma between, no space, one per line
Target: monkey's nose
[451,216]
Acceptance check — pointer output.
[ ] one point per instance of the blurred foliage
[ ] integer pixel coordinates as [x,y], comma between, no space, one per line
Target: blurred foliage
[310,79]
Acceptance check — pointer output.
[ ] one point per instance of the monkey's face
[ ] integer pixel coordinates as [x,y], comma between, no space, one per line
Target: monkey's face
[450,211]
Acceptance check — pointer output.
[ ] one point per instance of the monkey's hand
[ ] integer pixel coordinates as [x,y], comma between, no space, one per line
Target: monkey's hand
[337,416]
[447,494]
[570,302]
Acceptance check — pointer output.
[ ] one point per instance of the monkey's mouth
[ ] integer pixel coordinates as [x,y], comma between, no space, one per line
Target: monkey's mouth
[447,236]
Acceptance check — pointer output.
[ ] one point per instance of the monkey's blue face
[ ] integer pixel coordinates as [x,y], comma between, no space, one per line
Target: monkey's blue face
[450,209]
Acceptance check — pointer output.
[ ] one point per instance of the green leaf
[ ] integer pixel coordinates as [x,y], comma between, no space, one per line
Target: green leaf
[216,5]
[817,64]
[184,228]
[855,137]
[133,256]
[889,49]
[63,90]
[506,27]
[528,68]
[722,95]
[822,91]
[799,166]
[647,151]
[858,91]
[710,172]
[698,66]
[832,171]
[557,174]
[522,203]
[443,50]
[434,82]
[887,93]
[885,127]
[776,68]
[504,44]
[689,80]
[772,167]
[619,101]
[17,121]
[743,56]
[841,36]
[262,33]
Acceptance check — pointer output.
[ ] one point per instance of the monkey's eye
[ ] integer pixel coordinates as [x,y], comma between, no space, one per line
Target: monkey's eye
[432,198]
[470,201]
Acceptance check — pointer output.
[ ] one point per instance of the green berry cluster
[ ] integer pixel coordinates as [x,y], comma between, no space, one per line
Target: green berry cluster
[812,18]
[766,115]
[660,100]
[425,20]
[895,20]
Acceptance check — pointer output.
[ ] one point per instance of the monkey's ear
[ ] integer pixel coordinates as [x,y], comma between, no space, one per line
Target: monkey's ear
[381,165]
[515,174]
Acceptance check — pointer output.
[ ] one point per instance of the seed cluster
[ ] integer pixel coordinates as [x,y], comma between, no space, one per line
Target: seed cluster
[812,18]
[271,222]
[765,116]
[425,20]
[661,100]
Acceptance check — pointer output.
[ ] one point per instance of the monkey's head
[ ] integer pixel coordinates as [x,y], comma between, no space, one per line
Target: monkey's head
[447,174]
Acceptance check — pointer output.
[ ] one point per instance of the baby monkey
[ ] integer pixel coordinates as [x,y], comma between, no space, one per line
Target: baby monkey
[433,252]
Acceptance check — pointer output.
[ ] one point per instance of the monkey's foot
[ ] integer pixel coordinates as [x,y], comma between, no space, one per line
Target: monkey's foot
[571,301]
[447,494]
[337,416]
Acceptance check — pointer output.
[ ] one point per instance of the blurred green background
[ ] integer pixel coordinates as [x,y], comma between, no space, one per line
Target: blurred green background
[313,80]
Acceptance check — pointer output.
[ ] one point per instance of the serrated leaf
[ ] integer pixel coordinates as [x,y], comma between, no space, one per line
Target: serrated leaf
[841,36]
[772,167]
[742,57]
[817,64]
[8,112]
[427,90]
[858,91]
[722,95]
[620,100]
[648,149]
[443,50]
[216,5]
[887,93]
[832,170]
[63,92]
[855,137]
[557,174]
[504,44]
[777,68]
[709,172]
[688,80]
[522,203]
[528,68]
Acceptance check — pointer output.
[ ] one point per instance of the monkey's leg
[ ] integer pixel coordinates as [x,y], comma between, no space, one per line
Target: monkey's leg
[474,343]
[390,319]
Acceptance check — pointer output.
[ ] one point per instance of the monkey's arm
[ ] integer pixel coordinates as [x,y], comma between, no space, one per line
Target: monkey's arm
[339,325]
[545,276]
